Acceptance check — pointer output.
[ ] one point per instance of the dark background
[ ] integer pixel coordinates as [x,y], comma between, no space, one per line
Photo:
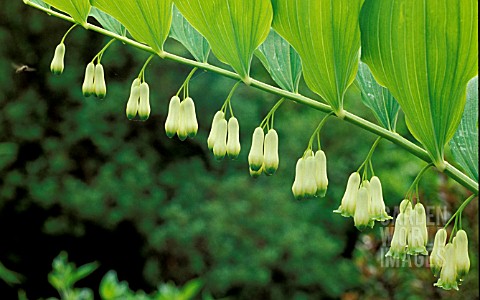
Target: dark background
[86,180]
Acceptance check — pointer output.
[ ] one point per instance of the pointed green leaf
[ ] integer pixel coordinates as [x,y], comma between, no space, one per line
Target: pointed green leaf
[77,9]
[424,52]
[281,61]
[108,22]
[148,21]
[464,144]
[326,35]
[377,98]
[233,28]
[183,32]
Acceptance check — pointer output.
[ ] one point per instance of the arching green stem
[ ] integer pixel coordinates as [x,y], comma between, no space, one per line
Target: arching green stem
[415,182]
[66,33]
[395,138]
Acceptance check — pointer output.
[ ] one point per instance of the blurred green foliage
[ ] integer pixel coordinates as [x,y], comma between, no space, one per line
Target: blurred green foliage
[82,165]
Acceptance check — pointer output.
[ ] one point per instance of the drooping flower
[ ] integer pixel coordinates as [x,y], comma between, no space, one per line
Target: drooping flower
[211,137]
[347,207]
[220,143]
[132,104]
[99,82]
[418,234]
[298,184]
[448,274]
[398,246]
[377,208]
[233,138]
[361,216]
[173,117]
[271,159]
[462,261]
[437,257]
[255,156]
[321,173]
[309,182]
[191,124]
[57,64]
[88,87]
[144,103]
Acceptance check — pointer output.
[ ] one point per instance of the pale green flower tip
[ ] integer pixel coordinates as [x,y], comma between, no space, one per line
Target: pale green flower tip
[182,136]
[446,285]
[435,270]
[417,250]
[255,174]
[270,170]
[170,134]
[396,254]
[321,192]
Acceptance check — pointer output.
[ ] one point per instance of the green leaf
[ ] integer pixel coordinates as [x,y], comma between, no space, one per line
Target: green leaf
[84,271]
[148,21]
[233,28]
[183,32]
[377,98]
[326,35]
[108,22]
[281,61]
[464,144]
[190,289]
[41,3]
[424,52]
[77,9]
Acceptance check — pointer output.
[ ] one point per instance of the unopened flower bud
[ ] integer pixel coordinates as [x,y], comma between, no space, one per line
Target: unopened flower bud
[418,235]
[173,117]
[233,140]
[377,207]
[132,104]
[448,274]
[99,82]
[437,257]
[182,126]
[88,87]
[255,157]
[144,103]
[361,216]
[321,173]
[57,62]
[220,145]
[211,137]
[462,261]
[190,117]
[271,152]
[347,207]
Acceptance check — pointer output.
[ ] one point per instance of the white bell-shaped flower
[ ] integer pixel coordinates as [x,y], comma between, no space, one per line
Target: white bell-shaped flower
[462,261]
[255,156]
[182,132]
[57,64]
[448,274]
[144,103]
[220,145]
[271,159]
[133,100]
[418,234]
[233,138]
[321,173]
[211,137]
[88,86]
[398,246]
[361,216]
[191,124]
[173,117]
[377,207]
[298,184]
[99,82]
[310,185]
[347,207]
[437,257]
